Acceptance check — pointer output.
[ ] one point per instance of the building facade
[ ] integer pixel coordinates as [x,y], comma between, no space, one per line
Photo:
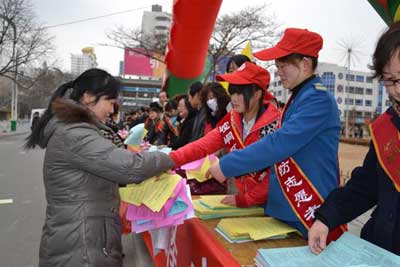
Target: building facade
[136,93]
[156,21]
[85,61]
[359,97]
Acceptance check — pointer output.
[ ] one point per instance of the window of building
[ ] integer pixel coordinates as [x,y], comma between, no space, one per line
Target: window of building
[340,88]
[368,91]
[387,103]
[359,90]
[279,83]
[340,75]
[349,101]
[359,78]
[350,89]
[359,102]
[162,18]
[369,79]
[279,93]
[161,27]
[339,100]
[368,114]
[349,77]
[368,103]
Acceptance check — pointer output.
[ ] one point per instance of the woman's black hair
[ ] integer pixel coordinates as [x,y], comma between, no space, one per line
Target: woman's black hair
[96,82]
[195,88]
[171,104]
[189,107]
[388,44]
[238,59]
[247,90]
[220,94]
[156,107]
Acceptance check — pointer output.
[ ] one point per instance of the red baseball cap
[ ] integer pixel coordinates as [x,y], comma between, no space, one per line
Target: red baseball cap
[294,41]
[247,73]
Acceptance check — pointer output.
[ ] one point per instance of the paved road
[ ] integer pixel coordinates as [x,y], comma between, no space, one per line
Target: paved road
[21,221]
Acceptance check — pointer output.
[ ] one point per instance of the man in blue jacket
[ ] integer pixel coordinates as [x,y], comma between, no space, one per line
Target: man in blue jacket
[303,152]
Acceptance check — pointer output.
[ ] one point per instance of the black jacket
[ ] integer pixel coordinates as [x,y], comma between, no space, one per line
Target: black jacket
[369,186]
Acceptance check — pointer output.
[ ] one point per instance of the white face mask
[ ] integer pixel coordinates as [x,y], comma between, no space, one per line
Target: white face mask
[213,105]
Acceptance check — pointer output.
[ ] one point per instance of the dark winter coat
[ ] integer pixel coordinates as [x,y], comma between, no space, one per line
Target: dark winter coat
[369,186]
[81,174]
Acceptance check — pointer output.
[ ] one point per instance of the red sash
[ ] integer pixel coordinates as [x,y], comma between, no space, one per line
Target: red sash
[386,140]
[300,193]
[233,141]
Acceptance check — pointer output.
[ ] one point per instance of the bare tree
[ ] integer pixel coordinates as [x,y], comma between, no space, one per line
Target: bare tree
[23,42]
[149,44]
[233,31]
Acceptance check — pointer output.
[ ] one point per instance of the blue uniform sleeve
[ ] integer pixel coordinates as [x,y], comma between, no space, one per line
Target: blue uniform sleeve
[311,117]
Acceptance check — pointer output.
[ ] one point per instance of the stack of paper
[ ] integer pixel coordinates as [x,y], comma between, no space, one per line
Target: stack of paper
[348,251]
[239,230]
[157,202]
[210,207]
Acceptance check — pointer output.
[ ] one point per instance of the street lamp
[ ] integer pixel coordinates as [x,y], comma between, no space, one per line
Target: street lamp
[14,92]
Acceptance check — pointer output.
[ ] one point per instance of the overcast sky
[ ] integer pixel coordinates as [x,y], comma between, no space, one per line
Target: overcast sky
[339,21]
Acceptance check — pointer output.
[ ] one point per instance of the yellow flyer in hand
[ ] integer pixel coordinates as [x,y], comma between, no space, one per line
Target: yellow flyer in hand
[199,173]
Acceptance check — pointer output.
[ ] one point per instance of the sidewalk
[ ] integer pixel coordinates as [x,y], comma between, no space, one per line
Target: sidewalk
[23,127]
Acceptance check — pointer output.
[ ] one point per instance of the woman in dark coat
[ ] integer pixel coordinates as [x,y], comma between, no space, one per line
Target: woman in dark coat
[377,181]
[82,171]
[187,115]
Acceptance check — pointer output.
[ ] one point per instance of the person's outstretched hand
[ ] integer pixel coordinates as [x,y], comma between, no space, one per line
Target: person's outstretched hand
[317,237]
[215,171]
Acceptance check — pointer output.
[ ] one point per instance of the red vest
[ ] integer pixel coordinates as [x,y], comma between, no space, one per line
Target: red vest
[230,128]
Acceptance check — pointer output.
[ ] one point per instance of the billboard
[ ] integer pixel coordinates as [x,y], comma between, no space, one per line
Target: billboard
[136,63]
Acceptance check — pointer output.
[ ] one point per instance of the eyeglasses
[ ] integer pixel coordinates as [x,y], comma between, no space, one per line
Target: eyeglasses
[390,82]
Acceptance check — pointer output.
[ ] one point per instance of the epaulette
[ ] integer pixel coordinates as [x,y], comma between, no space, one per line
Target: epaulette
[320,86]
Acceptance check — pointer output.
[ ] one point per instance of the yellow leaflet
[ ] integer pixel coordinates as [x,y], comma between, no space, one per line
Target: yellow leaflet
[200,173]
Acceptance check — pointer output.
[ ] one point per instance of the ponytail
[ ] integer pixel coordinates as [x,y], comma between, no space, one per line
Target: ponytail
[37,132]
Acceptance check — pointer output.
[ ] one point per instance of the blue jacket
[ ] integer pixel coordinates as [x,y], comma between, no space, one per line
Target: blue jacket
[310,134]
[369,186]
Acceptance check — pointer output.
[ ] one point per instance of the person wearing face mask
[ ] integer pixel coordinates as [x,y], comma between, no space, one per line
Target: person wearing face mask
[252,117]
[377,181]
[303,152]
[215,98]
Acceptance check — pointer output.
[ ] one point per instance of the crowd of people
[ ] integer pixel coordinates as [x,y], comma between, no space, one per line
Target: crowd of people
[284,159]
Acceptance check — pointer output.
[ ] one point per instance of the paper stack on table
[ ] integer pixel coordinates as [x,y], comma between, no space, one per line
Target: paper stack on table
[239,230]
[157,202]
[348,251]
[210,207]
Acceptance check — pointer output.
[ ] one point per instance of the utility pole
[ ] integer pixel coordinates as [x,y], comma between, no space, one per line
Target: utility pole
[14,90]
[346,100]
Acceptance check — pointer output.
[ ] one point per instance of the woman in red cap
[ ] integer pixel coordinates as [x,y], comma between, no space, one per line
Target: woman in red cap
[251,119]
[303,151]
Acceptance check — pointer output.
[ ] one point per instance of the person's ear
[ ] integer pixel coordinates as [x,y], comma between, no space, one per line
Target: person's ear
[87,99]
[307,64]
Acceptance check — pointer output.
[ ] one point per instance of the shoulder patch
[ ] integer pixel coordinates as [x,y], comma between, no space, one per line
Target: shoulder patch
[320,86]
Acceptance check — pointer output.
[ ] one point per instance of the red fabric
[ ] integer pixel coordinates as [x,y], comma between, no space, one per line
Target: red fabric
[192,24]
[247,73]
[250,191]
[294,41]
[126,225]
[195,244]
